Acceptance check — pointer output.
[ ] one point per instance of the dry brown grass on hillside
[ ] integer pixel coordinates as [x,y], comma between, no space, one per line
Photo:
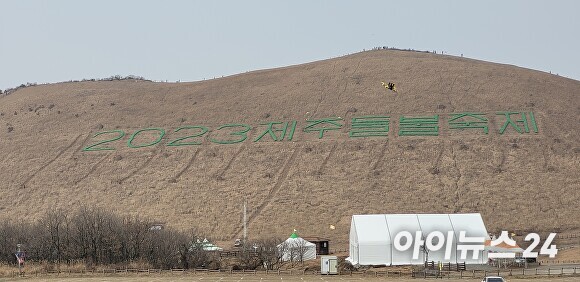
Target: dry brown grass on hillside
[516,181]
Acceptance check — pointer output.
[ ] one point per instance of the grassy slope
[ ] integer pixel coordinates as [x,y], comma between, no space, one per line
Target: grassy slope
[521,181]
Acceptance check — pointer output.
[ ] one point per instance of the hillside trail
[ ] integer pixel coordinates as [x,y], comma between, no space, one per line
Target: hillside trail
[93,168]
[187,166]
[39,170]
[141,167]
[269,197]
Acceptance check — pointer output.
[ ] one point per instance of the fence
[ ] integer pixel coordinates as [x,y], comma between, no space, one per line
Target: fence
[334,251]
[531,272]
[106,271]
[427,273]
[225,254]
[445,266]
[568,236]
[559,261]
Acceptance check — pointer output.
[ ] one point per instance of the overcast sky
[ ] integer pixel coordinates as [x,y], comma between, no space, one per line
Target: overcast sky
[58,40]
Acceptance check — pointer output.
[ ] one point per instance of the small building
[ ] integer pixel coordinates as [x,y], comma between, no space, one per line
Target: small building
[322,246]
[328,265]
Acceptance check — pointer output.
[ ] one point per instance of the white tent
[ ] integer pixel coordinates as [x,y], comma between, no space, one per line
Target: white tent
[206,245]
[502,247]
[372,237]
[297,249]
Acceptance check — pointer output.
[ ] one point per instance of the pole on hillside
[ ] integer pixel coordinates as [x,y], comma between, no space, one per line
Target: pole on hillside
[245,223]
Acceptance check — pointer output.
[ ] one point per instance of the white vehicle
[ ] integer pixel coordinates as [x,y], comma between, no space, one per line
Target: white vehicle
[493,279]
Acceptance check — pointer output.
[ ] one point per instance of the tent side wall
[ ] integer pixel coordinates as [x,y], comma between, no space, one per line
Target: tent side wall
[398,223]
[372,240]
[439,222]
[473,226]
[353,244]
[310,252]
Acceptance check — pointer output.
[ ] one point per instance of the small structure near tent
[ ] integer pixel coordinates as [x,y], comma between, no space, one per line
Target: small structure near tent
[297,249]
[322,246]
[328,265]
[505,248]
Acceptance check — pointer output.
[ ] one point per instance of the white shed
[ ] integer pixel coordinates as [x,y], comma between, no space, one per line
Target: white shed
[372,237]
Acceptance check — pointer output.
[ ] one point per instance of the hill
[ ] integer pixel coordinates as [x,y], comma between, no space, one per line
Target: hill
[107,144]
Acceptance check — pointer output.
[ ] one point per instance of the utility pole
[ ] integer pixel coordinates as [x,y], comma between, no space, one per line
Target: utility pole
[245,223]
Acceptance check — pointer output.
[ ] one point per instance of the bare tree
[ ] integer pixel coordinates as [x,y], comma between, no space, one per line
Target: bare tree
[292,252]
[271,253]
[131,236]
[249,257]
[96,236]
[8,242]
[52,231]
[196,255]
[300,249]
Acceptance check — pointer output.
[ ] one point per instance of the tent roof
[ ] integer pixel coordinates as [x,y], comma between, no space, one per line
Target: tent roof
[297,241]
[373,227]
[503,247]
[471,223]
[315,239]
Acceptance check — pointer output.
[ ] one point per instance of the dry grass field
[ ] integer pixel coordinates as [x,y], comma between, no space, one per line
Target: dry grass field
[524,181]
